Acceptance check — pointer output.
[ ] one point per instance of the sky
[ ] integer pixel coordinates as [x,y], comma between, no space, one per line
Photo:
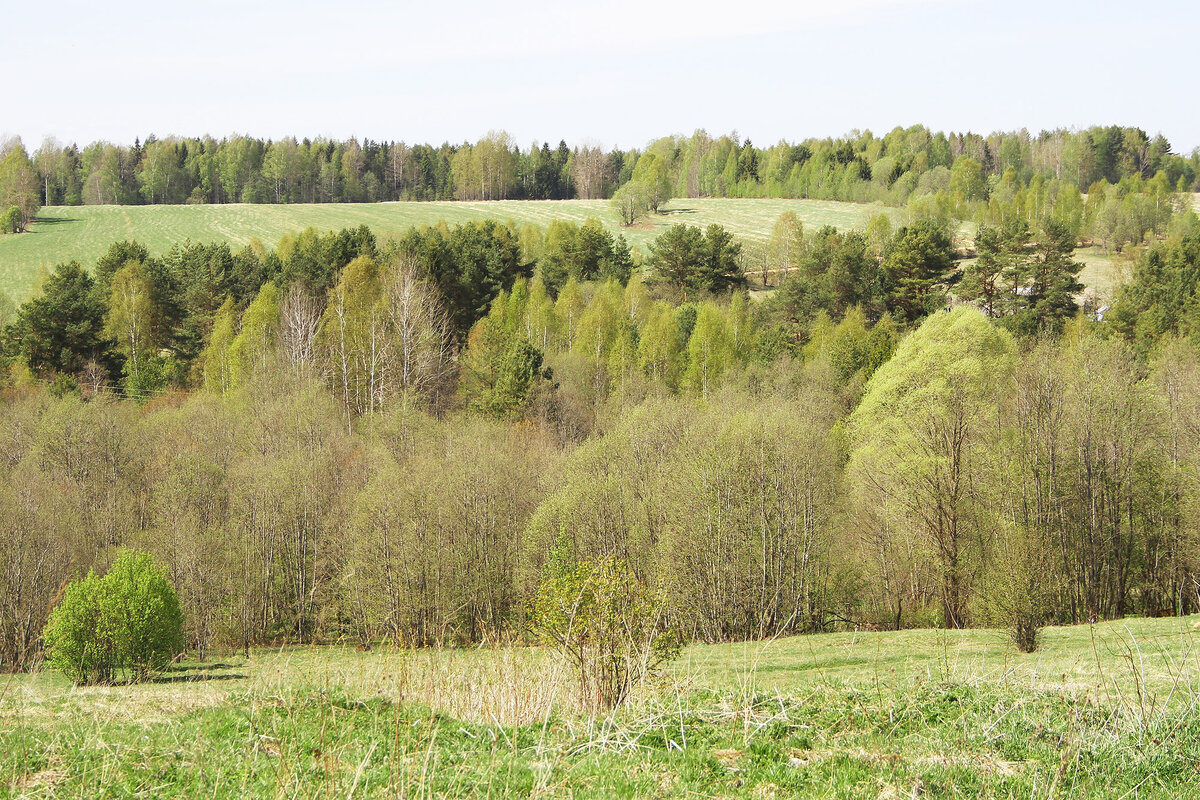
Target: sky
[614,73]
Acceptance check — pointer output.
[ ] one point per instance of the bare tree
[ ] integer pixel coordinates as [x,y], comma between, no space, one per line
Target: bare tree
[421,332]
[587,170]
[301,313]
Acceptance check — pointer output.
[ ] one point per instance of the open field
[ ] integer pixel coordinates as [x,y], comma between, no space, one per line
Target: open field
[63,233]
[1106,711]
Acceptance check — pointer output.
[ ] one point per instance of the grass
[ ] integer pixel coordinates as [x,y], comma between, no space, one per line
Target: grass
[1104,272]
[1106,711]
[63,233]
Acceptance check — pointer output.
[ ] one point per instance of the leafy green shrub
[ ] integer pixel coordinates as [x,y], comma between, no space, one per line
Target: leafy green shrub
[10,221]
[607,624]
[128,620]
[72,634]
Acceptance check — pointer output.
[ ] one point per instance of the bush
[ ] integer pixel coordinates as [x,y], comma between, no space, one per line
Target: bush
[128,620]
[10,221]
[73,643]
[1015,596]
[607,624]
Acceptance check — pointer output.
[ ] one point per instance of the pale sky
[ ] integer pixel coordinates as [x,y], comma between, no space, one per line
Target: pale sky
[613,72]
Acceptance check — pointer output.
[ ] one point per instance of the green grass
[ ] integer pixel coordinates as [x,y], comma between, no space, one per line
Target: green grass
[1107,711]
[1104,272]
[63,233]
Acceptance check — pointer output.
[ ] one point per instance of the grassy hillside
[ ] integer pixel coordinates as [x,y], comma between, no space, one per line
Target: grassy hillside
[63,233]
[1106,711]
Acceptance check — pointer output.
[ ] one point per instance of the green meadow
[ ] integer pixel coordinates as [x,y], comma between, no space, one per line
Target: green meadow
[83,233]
[1103,711]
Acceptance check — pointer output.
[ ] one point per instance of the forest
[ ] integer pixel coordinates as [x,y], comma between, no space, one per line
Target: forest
[861,167]
[339,438]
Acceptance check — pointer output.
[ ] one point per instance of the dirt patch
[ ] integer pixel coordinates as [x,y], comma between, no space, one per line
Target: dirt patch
[46,779]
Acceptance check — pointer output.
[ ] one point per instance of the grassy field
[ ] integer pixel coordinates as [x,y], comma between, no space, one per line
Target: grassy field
[63,233]
[1106,711]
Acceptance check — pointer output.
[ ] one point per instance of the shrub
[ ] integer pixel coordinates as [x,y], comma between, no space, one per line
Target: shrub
[72,634]
[128,620]
[607,624]
[1016,595]
[10,221]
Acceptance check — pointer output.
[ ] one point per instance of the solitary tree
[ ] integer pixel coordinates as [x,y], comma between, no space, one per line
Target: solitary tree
[631,202]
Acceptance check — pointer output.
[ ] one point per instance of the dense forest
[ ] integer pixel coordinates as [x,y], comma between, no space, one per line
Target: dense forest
[340,437]
[903,164]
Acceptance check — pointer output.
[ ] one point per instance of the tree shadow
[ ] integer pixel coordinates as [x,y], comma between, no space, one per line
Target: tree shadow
[200,677]
[672,211]
[52,220]
[197,673]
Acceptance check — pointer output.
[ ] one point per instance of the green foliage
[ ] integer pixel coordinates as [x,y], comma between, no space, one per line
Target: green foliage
[19,184]
[1163,297]
[64,327]
[501,367]
[607,624]
[10,221]
[631,202]
[469,263]
[918,265]
[128,620]
[519,368]
[64,385]
[251,350]
[215,361]
[1028,281]
[710,349]
[698,261]
[583,252]
[155,374]
[918,436]
[73,639]
[117,256]
[131,321]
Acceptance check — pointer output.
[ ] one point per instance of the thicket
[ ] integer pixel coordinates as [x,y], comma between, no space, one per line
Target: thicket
[364,440]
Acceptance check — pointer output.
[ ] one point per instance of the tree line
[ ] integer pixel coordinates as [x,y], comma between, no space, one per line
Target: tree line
[893,168]
[353,439]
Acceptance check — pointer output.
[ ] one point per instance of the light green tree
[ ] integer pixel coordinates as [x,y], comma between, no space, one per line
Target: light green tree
[786,244]
[631,202]
[130,320]
[917,436]
[258,340]
[19,185]
[659,353]
[710,349]
[567,309]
